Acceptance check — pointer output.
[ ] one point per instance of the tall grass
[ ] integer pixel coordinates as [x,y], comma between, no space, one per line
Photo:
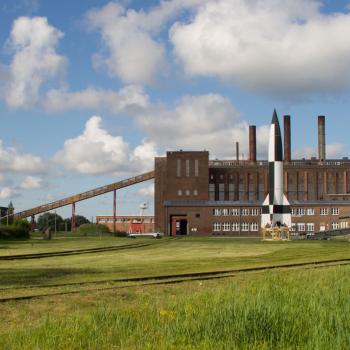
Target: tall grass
[276,310]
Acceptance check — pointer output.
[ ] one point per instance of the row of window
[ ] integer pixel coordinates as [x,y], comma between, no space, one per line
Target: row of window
[236,211]
[235,227]
[187,167]
[186,193]
[311,211]
[310,226]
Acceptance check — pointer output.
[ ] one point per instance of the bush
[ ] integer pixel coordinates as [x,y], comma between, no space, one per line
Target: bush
[92,229]
[19,231]
[120,234]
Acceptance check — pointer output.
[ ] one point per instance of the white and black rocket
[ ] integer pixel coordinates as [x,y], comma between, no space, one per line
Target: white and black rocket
[276,208]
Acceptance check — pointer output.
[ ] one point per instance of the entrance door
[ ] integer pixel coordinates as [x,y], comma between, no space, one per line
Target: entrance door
[178,225]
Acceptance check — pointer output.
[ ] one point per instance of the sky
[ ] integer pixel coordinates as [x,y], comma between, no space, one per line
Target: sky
[91,91]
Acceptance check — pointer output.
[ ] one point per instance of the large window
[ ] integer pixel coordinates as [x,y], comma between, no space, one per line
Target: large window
[221,192]
[225,212]
[226,226]
[344,224]
[245,212]
[212,192]
[245,226]
[235,211]
[301,227]
[335,211]
[196,167]
[216,226]
[187,167]
[254,227]
[255,211]
[235,226]
[178,167]
[335,225]
[310,227]
[323,211]
[217,212]
[310,211]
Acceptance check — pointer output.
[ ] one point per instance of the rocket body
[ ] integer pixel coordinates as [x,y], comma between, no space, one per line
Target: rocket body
[276,208]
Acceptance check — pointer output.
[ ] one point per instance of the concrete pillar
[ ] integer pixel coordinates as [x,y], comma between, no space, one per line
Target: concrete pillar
[73,218]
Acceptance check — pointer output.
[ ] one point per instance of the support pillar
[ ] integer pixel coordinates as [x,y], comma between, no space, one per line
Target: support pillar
[32,222]
[114,209]
[73,218]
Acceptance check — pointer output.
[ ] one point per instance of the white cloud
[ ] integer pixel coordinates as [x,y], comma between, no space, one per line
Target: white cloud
[147,191]
[333,150]
[265,45]
[8,192]
[198,122]
[13,160]
[32,182]
[134,52]
[33,42]
[95,152]
[128,99]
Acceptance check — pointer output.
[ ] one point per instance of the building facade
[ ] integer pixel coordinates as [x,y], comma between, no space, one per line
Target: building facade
[197,196]
[128,224]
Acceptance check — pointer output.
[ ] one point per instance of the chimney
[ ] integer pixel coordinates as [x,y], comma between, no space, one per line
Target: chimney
[252,143]
[321,138]
[237,151]
[287,139]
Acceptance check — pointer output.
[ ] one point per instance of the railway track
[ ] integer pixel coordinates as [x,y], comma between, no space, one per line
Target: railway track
[74,252]
[169,279]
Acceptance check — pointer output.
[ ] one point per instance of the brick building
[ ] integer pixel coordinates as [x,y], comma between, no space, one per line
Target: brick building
[197,196]
[128,224]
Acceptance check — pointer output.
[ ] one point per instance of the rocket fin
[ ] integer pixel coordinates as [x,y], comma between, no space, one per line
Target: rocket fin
[285,200]
[267,200]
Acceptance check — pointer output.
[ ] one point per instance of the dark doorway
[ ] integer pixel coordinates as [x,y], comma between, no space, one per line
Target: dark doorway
[179,226]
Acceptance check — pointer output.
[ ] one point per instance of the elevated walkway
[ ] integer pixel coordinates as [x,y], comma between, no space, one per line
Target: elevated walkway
[84,195]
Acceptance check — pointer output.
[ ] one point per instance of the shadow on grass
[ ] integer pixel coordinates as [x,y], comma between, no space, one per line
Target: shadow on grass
[28,277]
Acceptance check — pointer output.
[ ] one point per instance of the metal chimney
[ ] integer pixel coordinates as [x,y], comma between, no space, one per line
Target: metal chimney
[321,138]
[287,139]
[252,143]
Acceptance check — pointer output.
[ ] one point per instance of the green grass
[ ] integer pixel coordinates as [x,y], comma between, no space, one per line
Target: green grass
[289,309]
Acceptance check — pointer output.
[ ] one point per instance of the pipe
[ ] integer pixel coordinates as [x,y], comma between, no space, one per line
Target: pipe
[252,143]
[287,139]
[321,138]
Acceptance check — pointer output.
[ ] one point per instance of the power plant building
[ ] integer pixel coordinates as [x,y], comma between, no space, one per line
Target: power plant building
[198,196]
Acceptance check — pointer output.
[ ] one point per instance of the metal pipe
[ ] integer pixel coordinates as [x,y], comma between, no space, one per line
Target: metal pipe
[287,139]
[252,143]
[321,138]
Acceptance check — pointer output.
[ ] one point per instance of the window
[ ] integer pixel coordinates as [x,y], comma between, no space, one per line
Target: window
[245,212]
[188,192]
[216,226]
[323,211]
[187,167]
[179,193]
[211,176]
[255,211]
[196,168]
[198,216]
[217,212]
[226,226]
[310,227]
[310,211]
[231,192]
[212,192]
[335,211]
[245,226]
[221,192]
[235,212]
[335,225]
[235,226]
[178,167]
[301,227]
[225,212]
[299,211]
[195,192]
[294,227]
[254,227]
[344,224]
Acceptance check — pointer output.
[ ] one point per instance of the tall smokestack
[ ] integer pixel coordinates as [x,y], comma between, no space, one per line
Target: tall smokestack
[252,143]
[321,138]
[237,151]
[287,141]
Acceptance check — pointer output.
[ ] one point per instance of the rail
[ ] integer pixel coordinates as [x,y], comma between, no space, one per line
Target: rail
[84,195]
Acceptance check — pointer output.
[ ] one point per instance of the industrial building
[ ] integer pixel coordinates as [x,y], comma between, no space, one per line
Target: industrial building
[127,223]
[198,196]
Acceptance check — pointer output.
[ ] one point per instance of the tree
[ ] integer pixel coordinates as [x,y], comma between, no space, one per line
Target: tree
[81,220]
[47,220]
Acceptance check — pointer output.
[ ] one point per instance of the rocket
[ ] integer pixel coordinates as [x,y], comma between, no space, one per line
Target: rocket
[276,208]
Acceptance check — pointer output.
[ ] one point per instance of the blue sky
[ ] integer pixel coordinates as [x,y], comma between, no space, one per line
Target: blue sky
[92,90]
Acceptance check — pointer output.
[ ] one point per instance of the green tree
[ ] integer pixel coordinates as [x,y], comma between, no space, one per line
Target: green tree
[81,220]
[48,220]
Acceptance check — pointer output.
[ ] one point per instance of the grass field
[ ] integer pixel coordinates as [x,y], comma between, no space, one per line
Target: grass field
[296,308]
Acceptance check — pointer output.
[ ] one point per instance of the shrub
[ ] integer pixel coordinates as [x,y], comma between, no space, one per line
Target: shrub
[92,229]
[8,232]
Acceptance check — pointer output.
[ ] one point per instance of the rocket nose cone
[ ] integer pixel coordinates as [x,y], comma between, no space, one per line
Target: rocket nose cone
[274,117]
